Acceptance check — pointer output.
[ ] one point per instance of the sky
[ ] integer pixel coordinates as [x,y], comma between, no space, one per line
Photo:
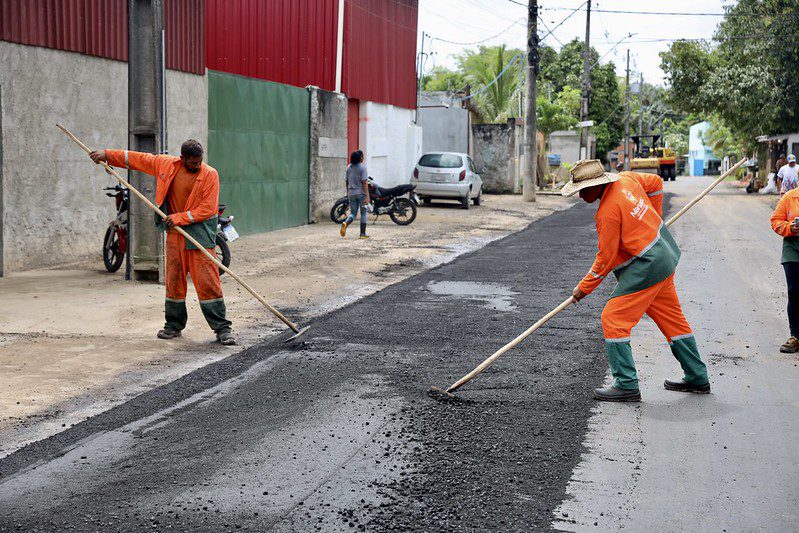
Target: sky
[467,21]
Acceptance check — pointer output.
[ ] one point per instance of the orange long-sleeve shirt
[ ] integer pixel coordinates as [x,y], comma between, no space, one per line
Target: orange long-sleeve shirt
[627,223]
[787,209]
[203,201]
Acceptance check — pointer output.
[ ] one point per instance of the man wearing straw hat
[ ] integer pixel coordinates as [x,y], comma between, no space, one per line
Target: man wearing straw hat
[636,246]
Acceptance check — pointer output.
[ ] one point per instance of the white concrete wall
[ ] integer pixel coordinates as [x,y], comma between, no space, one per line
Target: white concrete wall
[391,142]
[54,208]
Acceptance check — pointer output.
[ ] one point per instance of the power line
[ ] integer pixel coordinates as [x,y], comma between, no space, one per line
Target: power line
[576,9]
[481,41]
[700,39]
[675,13]
[550,32]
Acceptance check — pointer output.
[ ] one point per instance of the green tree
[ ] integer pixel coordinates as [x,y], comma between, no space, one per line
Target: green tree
[605,105]
[443,79]
[748,78]
[480,68]
[558,114]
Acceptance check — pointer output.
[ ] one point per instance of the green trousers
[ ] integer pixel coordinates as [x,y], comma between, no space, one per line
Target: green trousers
[213,310]
[683,347]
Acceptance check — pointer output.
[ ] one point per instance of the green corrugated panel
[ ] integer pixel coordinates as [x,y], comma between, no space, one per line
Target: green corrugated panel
[258,140]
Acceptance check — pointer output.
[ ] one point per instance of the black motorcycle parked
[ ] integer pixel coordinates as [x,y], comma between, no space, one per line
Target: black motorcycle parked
[389,202]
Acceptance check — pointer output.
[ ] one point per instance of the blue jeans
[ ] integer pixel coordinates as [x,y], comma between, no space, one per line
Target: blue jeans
[357,203]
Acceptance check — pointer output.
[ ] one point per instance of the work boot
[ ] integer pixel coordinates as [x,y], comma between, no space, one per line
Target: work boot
[343,230]
[790,346]
[612,394]
[168,333]
[682,386]
[226,338]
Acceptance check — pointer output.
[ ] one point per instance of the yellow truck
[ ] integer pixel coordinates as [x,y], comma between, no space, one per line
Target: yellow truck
[654,159]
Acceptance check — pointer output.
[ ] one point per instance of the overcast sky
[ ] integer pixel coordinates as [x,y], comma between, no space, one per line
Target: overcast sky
[465,21]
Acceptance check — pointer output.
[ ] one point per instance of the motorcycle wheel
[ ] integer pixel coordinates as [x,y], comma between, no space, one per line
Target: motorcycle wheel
[338,213]
[112,255]
[403,212]
[222,252]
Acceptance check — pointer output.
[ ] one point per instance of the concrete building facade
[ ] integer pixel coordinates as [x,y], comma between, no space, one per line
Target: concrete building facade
[53,205]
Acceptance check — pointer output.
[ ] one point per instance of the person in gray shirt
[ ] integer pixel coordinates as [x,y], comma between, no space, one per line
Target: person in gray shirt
[357,192]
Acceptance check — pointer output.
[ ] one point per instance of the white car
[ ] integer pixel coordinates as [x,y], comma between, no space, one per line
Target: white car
[449,175]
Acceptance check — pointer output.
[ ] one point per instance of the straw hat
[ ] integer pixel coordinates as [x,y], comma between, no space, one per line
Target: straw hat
[587,173]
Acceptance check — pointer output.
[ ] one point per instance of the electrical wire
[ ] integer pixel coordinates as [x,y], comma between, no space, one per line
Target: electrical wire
[673,13]
[550,32]
[477,42]
[515,58]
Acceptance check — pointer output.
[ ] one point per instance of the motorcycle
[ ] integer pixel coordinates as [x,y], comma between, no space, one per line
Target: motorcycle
[225,233]
[115,242]
[389,202]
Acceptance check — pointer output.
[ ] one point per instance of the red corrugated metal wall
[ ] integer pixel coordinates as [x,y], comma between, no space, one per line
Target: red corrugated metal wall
[184,33]
[380,51]
[285,41]
[100,28]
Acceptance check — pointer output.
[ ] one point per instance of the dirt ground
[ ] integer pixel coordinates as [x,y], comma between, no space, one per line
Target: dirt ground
[77,341]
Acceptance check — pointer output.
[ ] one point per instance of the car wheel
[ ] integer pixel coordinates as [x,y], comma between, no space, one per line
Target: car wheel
[465,203]
[479,198]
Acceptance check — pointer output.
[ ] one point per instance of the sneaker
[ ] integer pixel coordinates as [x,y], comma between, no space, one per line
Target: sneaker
[343,230]
[682,386]
[168,333]
[790,346]
[226,338]
[363,236]
[613,394]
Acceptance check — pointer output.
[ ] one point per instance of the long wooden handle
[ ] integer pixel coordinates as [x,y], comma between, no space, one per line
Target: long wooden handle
[529,331]
[566,303]
[702,194]
[151,205]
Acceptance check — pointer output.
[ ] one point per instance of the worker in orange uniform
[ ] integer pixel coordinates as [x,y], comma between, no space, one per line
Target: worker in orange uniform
[187,190]
[784,221]
[636,246]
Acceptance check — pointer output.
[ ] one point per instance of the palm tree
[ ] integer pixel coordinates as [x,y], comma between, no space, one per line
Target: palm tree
[498,102]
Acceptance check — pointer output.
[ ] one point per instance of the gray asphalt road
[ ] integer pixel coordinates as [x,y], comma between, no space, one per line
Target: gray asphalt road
[338,434]
[724,462]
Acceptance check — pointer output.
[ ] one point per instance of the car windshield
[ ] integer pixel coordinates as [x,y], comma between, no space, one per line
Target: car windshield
[441,161]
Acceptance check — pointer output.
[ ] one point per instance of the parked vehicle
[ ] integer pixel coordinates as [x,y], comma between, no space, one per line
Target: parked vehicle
[447,175]
[115,241]
[225,233]
[391,202]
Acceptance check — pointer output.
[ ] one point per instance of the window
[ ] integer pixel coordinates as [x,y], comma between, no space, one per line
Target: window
[441,161]
[471,165]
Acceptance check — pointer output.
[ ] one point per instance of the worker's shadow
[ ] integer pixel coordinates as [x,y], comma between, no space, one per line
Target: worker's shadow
[687,407]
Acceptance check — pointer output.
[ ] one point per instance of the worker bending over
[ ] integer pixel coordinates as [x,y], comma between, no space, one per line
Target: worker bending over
[636,246]
[187,190]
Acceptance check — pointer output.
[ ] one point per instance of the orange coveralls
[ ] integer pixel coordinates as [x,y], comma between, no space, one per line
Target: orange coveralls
[636,246]
[199,219]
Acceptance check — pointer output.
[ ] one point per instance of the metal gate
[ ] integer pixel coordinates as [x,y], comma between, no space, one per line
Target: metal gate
[259,141]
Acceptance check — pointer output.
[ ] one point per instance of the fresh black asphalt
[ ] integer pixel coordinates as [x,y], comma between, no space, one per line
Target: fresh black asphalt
[338,433]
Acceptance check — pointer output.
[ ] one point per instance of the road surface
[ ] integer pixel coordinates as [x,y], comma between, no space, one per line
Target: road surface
[338,434]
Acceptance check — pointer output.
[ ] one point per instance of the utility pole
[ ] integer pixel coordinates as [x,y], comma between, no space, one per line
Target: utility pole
[419,75]
[627,116]
[145,124]
[641,105]
[530,180]
[586,84]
